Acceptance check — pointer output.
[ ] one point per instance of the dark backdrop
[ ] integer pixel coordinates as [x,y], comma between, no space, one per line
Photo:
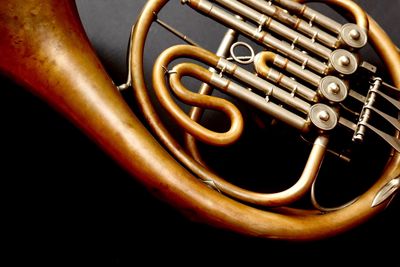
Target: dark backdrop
[67,202]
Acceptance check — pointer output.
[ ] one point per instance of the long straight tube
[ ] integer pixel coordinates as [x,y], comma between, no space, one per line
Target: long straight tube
[311,14]
[263,37]
[293,22]
[264,86]
[297,70]
[260,103]
[277,27]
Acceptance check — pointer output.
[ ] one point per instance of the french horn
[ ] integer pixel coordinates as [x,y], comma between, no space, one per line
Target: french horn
[304,74]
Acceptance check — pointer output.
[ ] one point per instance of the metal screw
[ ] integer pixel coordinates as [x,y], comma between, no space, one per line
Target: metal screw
[344,61]
[324,115]
[334,88]
[355,34]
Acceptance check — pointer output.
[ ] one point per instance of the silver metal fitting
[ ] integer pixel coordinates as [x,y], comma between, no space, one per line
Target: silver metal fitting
[323,117]
[333,89]
[366,112]
[353,36]
[344,62]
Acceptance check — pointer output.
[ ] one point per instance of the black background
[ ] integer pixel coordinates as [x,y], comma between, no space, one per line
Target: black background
[67,202]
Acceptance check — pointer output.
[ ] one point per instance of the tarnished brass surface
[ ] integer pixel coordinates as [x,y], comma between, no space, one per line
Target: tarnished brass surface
[44,48]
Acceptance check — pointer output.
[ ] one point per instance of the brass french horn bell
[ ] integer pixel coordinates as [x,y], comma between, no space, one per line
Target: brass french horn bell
[304,72]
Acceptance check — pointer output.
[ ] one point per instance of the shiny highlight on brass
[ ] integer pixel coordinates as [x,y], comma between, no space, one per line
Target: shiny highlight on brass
[43,47]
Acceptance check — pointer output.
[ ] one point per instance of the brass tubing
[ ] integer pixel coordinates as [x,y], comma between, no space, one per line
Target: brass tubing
[282,198]
[54,59]
[198,131]
[357,13]
[266,58]
[222,64]
[303,185]
[386,49]
[155,123]
[263,86]
[189,183]
[196,113]
[275,110]
[239,92]
[206,205]
[226,18]
[277,27]
[297,70]
[293,22]
[312,15]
